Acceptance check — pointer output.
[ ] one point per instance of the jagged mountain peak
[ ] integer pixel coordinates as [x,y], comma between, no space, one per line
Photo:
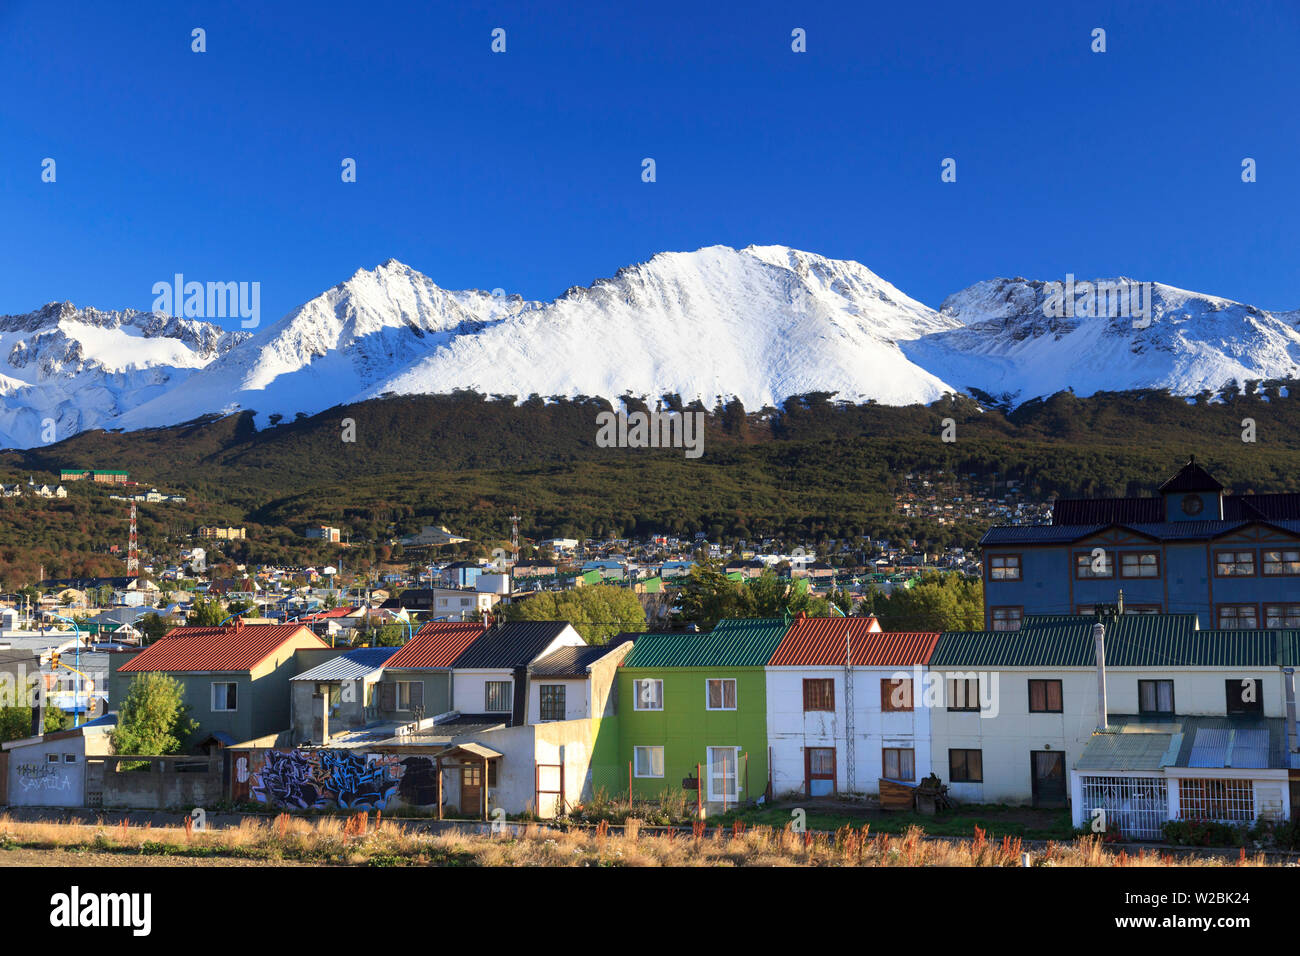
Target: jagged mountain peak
[759,323]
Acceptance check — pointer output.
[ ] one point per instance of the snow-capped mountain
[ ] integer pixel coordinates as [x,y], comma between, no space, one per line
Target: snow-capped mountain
[64,369]
[760,323]
[1014,344]
[333,349]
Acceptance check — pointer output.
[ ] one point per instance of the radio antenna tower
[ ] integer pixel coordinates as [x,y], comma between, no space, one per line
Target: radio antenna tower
[132,550]
[514,536]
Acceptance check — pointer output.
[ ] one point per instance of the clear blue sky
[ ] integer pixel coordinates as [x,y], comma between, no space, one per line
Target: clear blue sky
[523,170]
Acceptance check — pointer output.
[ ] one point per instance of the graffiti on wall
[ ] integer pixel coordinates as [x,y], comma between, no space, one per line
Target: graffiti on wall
[42,776]
[320,779]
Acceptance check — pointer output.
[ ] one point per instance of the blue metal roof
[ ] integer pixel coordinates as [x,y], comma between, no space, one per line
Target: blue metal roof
[351,665]
[1039,533]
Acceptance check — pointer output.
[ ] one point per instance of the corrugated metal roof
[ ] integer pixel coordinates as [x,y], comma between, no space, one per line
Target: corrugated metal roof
[568,661]
[1082,511]
[1038,534]
[436,644]
[352,665]
[820,642]
[1210,739]
[733,643]
[1132,640]
[514,644]
[1249,749]
[1186,530]
[1120,751]
[1210,747]
[233,649]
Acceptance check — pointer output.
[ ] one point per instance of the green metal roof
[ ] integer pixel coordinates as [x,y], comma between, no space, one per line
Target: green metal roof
[1128,751]
[1132,640]
[733,643]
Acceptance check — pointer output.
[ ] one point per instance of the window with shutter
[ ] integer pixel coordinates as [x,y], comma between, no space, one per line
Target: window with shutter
[388,697]
[417,694]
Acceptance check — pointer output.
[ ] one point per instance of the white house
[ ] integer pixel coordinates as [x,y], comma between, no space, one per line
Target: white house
[1014,712]
[840,687]
[491,675]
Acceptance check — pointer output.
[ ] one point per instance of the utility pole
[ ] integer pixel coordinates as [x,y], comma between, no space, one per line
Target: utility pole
[132,554]
[850,763]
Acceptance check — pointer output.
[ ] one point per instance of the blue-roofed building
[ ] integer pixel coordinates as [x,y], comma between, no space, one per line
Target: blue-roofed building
[1232,560]
[337,695]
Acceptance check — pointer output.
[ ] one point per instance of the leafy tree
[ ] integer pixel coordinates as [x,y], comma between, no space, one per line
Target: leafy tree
[16,722]
[390,635]
[151,628]
[597,612]
[708,595]
[207,612]
[153,719]
[938,602]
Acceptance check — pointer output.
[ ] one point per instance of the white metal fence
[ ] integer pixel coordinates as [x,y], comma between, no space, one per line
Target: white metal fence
[1134,807]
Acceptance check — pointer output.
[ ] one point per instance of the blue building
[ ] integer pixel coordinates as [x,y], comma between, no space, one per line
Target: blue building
[461,574]
[1233,560]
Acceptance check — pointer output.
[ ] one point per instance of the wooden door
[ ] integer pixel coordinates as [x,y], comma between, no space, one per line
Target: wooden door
[471,789]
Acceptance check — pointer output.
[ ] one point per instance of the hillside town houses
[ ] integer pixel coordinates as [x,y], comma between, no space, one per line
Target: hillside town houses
[1136,665]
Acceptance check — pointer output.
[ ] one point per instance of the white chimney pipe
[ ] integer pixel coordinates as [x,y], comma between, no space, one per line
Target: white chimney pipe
[1099,645]
[1288,679]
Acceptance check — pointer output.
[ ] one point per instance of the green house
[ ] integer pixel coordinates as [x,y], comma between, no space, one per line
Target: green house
[697,699]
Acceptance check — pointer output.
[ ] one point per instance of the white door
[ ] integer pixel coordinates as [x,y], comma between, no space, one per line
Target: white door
[723,780]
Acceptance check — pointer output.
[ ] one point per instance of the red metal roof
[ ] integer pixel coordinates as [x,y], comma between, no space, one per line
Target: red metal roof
[820,642]
[237,648]
[437,644]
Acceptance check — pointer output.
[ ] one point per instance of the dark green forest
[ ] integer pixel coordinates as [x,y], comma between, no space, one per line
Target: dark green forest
[813,469]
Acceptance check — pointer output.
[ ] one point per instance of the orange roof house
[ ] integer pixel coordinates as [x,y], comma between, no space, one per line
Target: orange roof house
[235,678]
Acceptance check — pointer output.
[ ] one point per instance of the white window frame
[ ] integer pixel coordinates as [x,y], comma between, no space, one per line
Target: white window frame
[715,796]
[636,693]
[636,763]
[212,697]
[735,693]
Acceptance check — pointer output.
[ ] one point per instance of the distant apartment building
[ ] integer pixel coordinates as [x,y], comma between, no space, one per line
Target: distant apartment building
[1232,560]
[101,477]
[222,534]
[323,533]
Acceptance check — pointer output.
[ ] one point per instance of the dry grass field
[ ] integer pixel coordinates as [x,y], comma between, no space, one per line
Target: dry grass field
[363,840]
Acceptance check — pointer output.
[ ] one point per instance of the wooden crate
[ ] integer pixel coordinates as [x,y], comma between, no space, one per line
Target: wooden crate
[895,795]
